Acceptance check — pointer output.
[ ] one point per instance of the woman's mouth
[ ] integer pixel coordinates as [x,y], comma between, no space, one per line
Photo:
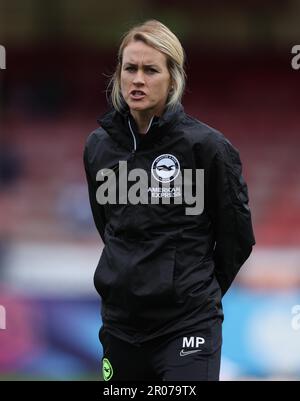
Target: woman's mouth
[137,95]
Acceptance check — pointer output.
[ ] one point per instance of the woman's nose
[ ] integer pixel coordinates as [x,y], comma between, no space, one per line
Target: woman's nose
[138,77]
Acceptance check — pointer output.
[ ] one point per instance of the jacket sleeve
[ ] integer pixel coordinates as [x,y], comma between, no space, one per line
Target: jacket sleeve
[97,209]
[233,230]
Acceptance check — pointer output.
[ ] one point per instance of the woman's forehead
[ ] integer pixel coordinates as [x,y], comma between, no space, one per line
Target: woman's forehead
[140,53]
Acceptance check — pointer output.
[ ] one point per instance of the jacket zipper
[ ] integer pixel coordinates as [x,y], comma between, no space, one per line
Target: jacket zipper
[134,139]
[133,136]
[116,167]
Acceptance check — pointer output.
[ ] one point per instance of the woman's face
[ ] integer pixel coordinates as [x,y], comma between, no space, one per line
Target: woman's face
[145,78]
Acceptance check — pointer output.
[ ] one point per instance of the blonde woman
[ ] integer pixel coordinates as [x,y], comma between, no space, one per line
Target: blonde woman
[171,207]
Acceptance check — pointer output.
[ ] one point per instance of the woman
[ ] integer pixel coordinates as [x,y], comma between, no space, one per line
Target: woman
[165,266]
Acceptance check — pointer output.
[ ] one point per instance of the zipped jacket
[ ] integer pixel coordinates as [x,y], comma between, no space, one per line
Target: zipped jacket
[164,269]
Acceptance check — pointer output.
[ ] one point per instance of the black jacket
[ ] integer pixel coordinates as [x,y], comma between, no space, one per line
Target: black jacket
[162,270]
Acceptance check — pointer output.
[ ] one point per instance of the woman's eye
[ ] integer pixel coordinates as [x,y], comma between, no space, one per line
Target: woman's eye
[151,70]
[147,70]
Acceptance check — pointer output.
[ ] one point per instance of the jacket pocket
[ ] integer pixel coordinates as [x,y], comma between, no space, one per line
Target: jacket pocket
[136,274]
[151,281]
[110,276]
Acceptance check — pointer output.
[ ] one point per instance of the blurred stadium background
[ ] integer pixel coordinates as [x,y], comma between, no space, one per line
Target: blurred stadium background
[240,80]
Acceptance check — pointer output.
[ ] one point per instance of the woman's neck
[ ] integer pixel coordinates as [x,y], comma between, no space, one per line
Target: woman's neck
[143,120]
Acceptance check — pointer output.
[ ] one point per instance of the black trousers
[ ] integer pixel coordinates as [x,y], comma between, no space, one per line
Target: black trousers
[194,355]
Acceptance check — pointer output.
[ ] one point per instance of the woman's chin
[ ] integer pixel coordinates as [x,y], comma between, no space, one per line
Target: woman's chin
[139,104]
[138,107]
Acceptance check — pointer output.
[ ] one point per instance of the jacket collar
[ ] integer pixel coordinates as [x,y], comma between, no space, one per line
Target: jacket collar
[116,124]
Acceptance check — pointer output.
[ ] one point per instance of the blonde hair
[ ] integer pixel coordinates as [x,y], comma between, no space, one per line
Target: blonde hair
[154,34]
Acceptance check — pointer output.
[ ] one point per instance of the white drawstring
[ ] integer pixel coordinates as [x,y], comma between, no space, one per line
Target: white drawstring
[134,140]
[149,124]
[131,130]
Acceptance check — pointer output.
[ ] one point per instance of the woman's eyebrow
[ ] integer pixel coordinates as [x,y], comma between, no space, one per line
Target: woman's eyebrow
[151,65]
[144,65]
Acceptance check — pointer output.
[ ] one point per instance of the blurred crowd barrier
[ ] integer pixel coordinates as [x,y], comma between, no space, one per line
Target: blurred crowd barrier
[53,317]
